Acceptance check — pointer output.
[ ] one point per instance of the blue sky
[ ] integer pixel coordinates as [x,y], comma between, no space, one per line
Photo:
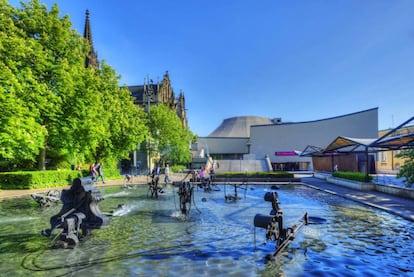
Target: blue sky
[299,60]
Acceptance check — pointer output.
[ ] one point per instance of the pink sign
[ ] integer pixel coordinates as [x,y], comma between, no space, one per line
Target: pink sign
[285,153]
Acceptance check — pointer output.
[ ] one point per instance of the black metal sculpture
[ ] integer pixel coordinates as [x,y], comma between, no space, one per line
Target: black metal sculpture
[274,225]
[185,192]
[80,212]
[205,183]
[235,196]
[46,200]
[186,197]
[128,181]
[153,187]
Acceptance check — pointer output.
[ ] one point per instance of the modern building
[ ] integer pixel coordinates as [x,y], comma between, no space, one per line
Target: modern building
[277,145]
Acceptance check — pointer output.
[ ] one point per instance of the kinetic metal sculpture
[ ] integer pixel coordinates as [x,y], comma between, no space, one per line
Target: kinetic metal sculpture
[80,212]
[185,192]
[46,200]
[153,188]
[235,197]
[273,224]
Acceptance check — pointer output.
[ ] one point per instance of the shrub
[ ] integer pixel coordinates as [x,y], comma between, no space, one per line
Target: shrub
[354,176]
[178,168]
[254,174]
[37,179]
[407,169]
[48,178]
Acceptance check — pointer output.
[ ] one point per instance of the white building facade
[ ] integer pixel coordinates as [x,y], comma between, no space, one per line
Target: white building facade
[281,143]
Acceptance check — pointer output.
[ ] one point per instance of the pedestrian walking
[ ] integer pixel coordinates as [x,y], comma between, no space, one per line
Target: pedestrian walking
[167,174]
[92,171]
[99,171]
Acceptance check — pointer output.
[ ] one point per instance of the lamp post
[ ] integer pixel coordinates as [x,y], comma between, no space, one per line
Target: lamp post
[149,92]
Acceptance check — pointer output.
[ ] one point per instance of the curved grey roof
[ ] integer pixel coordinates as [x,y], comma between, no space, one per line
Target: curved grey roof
[238,126]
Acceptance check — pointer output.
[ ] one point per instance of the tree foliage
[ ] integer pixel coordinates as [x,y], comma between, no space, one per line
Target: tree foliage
[171,139]
[21,133]
[122,124]
[53,108]
[407,169]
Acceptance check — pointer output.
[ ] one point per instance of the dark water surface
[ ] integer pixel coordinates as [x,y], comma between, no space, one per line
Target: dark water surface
[149,237]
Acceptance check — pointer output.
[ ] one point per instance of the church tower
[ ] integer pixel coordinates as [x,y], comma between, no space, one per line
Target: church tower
[181,110]
[92,58]
[161,92]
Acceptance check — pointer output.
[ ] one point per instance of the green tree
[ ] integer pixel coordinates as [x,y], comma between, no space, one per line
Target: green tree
[168,135]
[407,169]
[57,62]
[122,124]
[78,123]
[21,134]
[53,108]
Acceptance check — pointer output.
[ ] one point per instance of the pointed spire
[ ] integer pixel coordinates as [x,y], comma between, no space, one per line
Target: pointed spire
[181,110]
[92,58]
[87,32]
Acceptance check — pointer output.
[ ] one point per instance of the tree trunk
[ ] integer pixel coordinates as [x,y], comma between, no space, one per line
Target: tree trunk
[42,159]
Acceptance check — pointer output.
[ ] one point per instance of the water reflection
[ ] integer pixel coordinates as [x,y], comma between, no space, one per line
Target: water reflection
[148,237]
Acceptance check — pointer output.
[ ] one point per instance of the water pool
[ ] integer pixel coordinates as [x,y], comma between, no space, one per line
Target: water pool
[149,237]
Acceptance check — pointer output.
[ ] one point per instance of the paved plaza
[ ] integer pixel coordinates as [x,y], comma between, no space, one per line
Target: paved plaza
[400,206]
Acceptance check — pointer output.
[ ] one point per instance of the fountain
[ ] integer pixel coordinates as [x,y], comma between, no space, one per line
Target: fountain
[147,237]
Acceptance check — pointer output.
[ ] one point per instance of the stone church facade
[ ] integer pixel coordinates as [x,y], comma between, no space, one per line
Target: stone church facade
[148,93]
[160,93]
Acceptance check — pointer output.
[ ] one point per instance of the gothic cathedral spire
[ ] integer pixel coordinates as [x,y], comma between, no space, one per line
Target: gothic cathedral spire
[92,58]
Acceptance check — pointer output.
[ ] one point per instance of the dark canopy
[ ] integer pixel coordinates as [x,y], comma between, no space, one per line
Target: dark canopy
[392,140]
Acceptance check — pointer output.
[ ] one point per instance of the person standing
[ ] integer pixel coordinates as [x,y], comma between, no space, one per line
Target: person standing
[167,174]
[156,171]
[212,174]
[156,174]
[99,170]
[92,171]
[203,174]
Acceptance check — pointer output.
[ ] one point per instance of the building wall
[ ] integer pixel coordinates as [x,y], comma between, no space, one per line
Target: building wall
[347,162]
[288,137]
[220,145]
[386,160]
